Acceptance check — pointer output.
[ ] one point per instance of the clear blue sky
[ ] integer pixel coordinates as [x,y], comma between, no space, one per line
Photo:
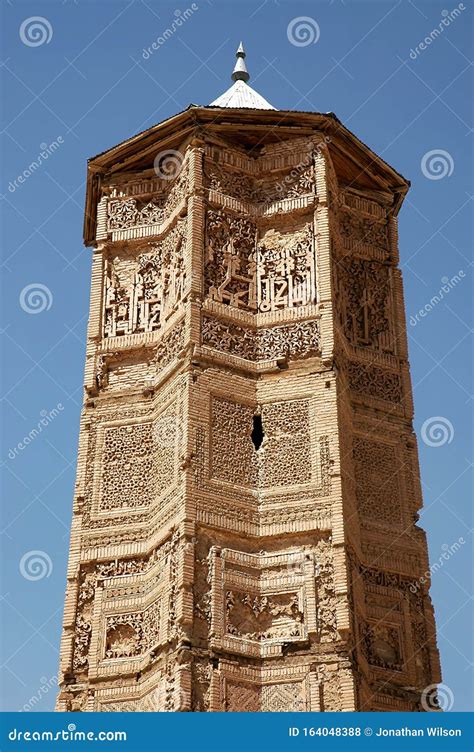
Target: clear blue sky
[90,87]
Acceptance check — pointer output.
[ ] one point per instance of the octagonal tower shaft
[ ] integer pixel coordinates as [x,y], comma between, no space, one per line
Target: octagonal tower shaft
[243,536]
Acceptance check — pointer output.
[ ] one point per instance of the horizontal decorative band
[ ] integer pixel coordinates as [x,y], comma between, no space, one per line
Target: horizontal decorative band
[265,209]
[257,320]
[264,345]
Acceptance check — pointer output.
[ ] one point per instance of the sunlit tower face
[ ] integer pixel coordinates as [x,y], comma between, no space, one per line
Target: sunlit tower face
[243,535]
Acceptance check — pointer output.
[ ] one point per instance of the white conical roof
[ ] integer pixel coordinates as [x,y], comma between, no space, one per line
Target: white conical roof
[240,93]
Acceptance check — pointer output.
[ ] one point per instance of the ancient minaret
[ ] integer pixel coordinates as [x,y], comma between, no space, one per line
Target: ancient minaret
[245,535]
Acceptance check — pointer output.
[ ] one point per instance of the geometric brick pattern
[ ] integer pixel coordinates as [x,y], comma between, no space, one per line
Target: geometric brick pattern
[244,534]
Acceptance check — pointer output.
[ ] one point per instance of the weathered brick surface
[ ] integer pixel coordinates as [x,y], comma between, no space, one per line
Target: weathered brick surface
[243,533]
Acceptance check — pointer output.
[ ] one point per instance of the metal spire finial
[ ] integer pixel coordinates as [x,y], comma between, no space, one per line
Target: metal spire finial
[240,72]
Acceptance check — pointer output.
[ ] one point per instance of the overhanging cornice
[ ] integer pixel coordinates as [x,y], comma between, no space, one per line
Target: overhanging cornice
[261,126]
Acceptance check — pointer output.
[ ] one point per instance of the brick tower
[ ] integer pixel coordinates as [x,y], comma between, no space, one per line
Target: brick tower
[244,533]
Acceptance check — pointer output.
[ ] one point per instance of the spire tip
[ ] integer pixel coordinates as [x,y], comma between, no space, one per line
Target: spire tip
[240,72]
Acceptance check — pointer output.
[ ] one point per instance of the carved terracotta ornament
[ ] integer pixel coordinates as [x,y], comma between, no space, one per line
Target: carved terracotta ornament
[244,534]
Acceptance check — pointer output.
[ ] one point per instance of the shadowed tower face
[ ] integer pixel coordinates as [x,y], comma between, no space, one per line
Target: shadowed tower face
[244,533]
